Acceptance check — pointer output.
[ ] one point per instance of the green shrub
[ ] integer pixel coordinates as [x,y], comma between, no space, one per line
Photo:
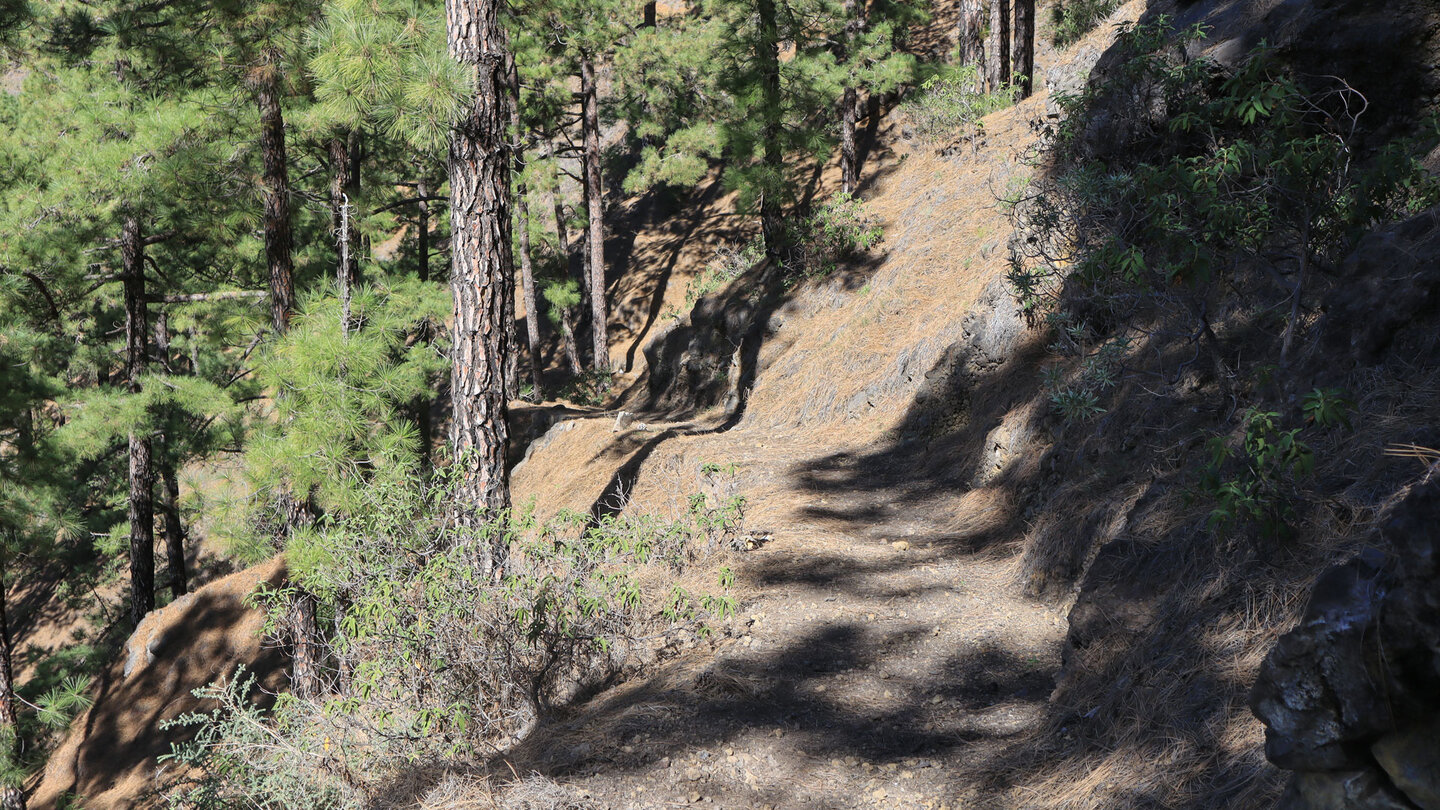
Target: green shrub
[1191,179]
[1072,19]
[429,658]
[950,105]
[1257,483]
[835,231]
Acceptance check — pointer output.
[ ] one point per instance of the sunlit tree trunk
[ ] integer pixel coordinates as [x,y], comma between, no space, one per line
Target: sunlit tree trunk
[481,264]
[850,100]
[971,39]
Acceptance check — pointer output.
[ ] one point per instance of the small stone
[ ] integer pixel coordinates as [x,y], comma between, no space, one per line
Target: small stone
[936,699]
[900,545]
[693,798]
[879,793]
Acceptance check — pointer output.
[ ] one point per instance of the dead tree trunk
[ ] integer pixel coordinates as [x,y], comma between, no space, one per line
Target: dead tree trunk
[141,498]
[276,183]
[481,264]
[595,205]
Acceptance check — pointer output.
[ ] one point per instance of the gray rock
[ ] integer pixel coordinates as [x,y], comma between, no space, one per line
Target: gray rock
[1412,760]
[1342,790]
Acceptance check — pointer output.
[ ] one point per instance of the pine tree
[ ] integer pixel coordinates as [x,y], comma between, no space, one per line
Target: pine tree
[481,264]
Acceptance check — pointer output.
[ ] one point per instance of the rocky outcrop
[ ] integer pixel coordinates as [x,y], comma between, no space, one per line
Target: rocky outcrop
[1351,697]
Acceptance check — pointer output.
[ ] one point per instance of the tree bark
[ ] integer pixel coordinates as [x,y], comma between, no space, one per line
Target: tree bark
[595,206]
[649,21]
[850,99]
[141,498]
[276,183]
[12,797]
[170,484]
[1024,51]
[567,316]
[481,264]
[773,157]
[999,46]
[972,39]
[305,658]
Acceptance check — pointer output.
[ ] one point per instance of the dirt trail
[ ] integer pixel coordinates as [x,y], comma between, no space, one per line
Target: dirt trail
[884,655]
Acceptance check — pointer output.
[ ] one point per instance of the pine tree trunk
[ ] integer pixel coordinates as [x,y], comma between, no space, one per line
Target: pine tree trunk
[12,797]
[344,183]
[595,205]
[422,257]
[1025,46]
[276,183]
[527,283]
[999,46]
[481,264]
[522,221]
[850,99]
[773,157]
[422,233]
[972,39]
[649,14]
[169,481]
[567,316]
[174,529]
[141,499]
[305,658]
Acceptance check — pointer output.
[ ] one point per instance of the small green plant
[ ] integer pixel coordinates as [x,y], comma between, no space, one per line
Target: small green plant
[1078,399]
[1327,408]
[1258,486]
[588,389]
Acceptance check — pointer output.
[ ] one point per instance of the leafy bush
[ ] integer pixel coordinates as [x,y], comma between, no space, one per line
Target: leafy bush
[950,104]
[1259,487]
[432,659]
[1190,179]
[589,387]
[836,230]
[1072,19]
[728,264]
